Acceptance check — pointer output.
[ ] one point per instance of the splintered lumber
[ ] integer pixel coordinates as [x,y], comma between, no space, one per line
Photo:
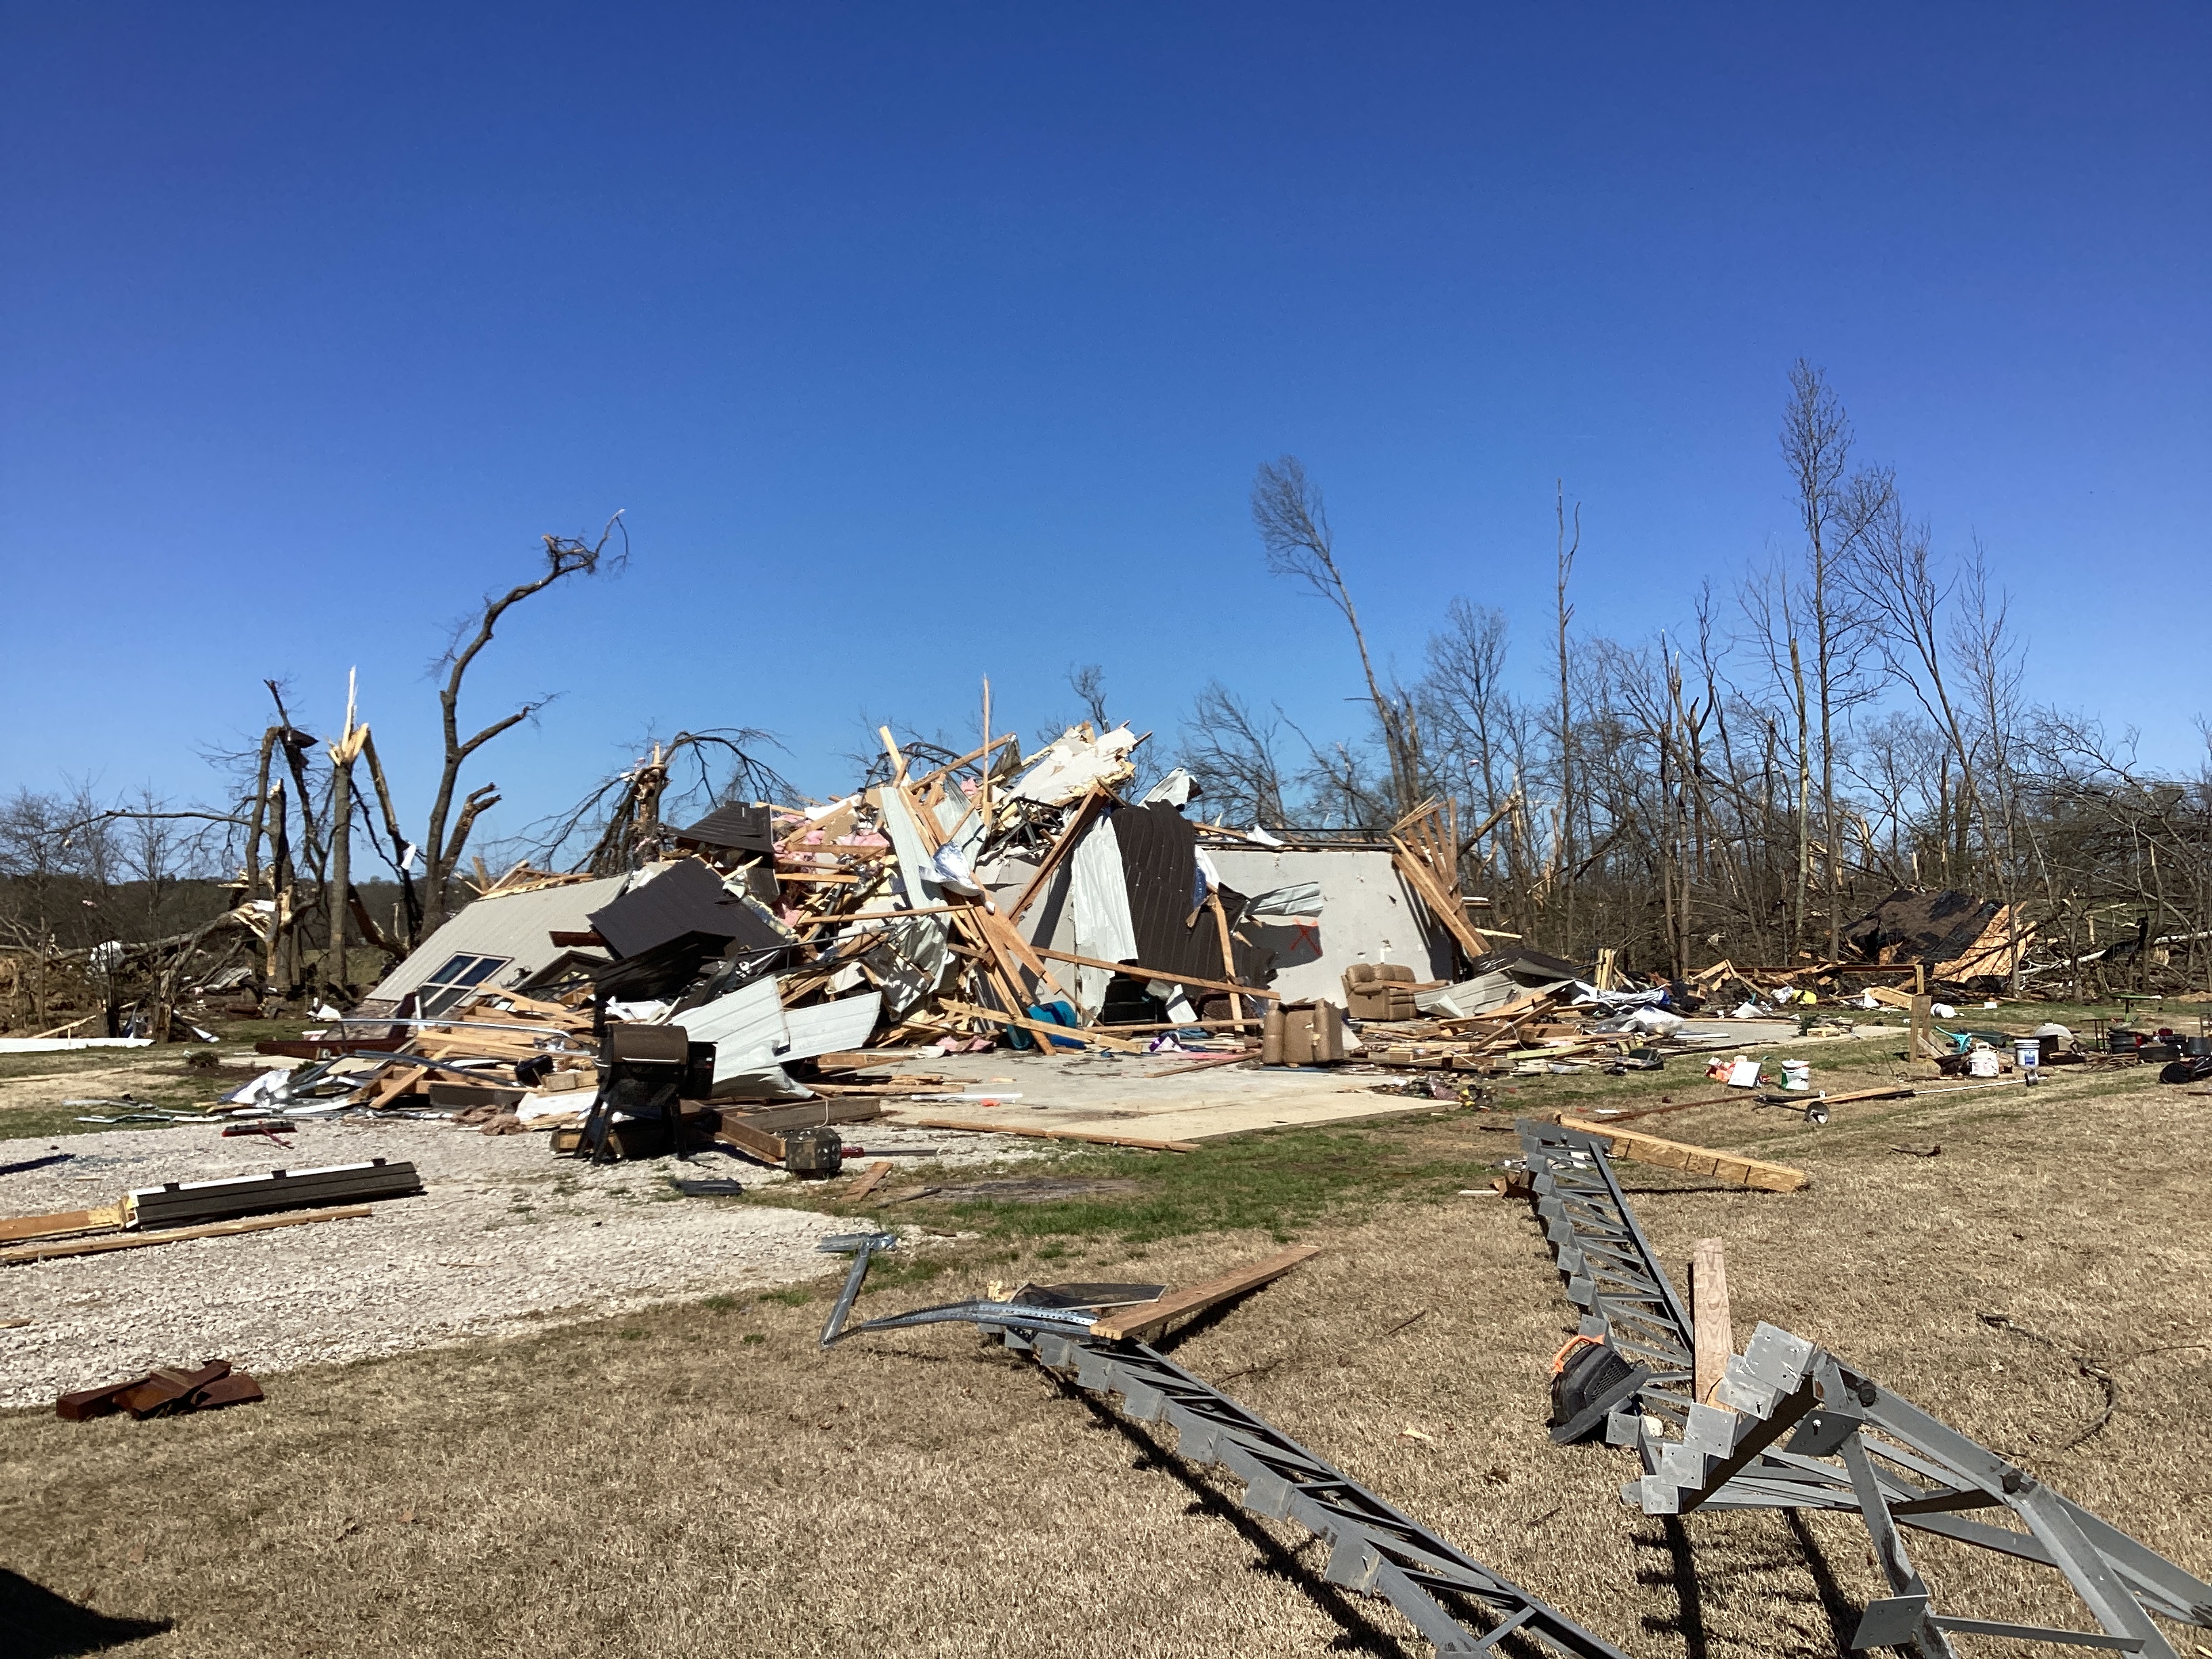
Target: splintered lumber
[1695,1160]
[972,1125]
[1135,971]
[1441,904]
[106,1218]
[1713,1325]
[870,1178]
[1077,822]
[173,1235]
[1069,1034]
[1148,1318]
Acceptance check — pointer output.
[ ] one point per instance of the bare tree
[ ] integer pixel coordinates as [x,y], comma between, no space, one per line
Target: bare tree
[1231,751]
[1834,509]
[1567,548]
[1088,682]
[1292,521]
[565,557]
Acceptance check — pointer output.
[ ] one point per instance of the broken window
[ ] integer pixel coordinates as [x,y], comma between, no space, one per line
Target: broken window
[460,975]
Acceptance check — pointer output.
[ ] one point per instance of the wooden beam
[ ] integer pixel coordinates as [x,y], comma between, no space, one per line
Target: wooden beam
[1742,1171]
[876,915]
[1078,1034]
[1077,822]
[172,1235]
[106,1218]
[1714,1326]
[1148,1318]
[746,1139]
[870,1178]
[971,1126]
[1443,905]
[1136,971]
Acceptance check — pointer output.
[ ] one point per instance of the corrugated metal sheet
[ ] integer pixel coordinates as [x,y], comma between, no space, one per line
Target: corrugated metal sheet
[516,926]
[681,898]
[1159,862]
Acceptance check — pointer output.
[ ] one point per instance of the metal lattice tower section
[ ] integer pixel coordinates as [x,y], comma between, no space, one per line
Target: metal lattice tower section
[1611,1272]
[1794,1427]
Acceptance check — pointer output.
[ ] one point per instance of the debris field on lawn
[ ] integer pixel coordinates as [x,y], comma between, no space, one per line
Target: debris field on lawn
[554,1109]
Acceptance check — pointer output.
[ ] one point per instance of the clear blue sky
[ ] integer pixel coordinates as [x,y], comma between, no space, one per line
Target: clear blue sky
[921,342]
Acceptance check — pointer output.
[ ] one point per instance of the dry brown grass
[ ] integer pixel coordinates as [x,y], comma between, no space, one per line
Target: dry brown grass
[704,1481]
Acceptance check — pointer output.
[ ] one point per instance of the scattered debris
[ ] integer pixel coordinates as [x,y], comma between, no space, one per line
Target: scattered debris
[166,1391]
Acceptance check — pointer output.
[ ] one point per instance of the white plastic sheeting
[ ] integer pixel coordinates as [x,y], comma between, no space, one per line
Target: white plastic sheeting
[1072,762]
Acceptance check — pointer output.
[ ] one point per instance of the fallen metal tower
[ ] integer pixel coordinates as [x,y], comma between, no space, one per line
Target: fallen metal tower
[1375,1548]
[1893,1463]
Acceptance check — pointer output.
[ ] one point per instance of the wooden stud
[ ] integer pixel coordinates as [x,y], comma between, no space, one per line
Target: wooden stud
[1749,1172]
[1148,1318]
[1714,1326]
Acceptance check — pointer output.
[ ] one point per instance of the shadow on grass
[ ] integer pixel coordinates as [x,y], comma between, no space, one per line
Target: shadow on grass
[51,1626]
[1360,1633]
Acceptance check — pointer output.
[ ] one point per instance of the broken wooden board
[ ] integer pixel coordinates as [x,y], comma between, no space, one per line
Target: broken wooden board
[873,1178]
[1750,1172]
[173,1235]
[971,1126]
[1147,1319]
[106,1218]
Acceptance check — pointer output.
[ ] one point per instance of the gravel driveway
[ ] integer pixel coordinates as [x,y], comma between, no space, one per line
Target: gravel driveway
[504,1233]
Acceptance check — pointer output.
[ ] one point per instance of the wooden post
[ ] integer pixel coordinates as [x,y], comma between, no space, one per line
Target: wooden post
[1228,957]
[334,966]
[1923,1028]
[1715,1326]
[983,791]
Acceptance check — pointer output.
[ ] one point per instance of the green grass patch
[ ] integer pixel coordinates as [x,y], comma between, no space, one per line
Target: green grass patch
[1276,1181]
[797,1296]
[50,1122]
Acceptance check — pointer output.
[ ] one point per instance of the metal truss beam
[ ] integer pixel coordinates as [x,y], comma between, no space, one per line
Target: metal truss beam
[1794,1427]
[1611,1271]
[1460,1605]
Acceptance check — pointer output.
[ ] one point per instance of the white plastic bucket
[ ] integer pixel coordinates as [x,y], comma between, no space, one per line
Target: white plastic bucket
[1796,1073]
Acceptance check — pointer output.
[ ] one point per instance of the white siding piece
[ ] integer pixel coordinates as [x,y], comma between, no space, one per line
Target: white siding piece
[1099,889]
[830,1027]
[914,880]
[1366,916]
[745,1026]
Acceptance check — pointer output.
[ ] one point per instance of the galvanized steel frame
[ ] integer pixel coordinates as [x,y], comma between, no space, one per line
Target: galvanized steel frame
[1611,1273]
[1375,1548]
[1895,1465]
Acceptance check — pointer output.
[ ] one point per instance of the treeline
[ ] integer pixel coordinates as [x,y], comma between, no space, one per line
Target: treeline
[1837,722]
[1843,719]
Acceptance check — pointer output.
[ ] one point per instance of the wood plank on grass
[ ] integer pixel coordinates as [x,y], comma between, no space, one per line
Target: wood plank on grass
[870,1178]
[976,1127]
[1147,1319]
[1752,1172]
